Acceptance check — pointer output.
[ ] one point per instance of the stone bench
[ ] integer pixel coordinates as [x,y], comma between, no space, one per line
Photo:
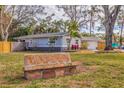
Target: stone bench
[49,65]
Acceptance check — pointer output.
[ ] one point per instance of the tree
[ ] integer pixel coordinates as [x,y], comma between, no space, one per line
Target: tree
[41,28]
[120,22]
[51,26]
[6,18]
[77,16]
[76,13]
[109,22]
[18,16]
[93,16]
[21,32]
[73,30]
[85,34]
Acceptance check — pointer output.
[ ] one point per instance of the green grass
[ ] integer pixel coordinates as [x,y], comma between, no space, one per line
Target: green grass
[100,70]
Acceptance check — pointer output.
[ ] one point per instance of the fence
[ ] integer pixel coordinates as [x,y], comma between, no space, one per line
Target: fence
[101,45]
[7,47]
[17,46]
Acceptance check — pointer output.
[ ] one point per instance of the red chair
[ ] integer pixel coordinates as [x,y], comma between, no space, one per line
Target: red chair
[77,46]
[72,47]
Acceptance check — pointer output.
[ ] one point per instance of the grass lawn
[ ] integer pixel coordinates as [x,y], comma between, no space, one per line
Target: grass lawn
[100,70]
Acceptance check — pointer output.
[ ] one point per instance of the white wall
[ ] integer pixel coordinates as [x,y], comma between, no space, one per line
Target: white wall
[64,43]
[43,42]
[92,45]
[73,41]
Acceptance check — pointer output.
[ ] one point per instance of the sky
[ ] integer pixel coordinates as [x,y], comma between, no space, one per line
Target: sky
[50,9]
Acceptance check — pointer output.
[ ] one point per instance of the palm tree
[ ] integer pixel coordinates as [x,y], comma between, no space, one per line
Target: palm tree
[73,30]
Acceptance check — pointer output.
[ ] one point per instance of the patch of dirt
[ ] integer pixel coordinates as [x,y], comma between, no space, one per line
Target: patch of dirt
[86,52]
[79,84]
[88,68]
[87,83]
[74,84]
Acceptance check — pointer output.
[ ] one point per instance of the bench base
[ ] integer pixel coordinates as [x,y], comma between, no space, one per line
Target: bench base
[51,73]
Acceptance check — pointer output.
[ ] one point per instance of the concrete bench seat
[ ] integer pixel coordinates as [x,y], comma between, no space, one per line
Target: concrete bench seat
[49,65]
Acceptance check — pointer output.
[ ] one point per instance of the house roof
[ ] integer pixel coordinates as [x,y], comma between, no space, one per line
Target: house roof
[90,39]
[58,34]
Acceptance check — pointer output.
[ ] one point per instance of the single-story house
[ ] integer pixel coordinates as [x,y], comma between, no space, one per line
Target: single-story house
[49,41]
[92,42]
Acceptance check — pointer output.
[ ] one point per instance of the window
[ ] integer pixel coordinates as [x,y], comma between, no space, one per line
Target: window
[68,41]
[77,42]
[52,40]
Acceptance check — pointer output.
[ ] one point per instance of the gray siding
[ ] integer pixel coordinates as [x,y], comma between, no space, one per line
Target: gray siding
[43,44]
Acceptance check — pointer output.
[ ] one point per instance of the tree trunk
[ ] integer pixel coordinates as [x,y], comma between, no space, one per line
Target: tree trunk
[108,38]
[121,34]
[90,28]
[69,45]
[90,23]
[110,18]
[1,24]
[4,30]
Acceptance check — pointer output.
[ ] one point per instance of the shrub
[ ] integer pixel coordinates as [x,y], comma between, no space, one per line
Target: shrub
[84,45]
